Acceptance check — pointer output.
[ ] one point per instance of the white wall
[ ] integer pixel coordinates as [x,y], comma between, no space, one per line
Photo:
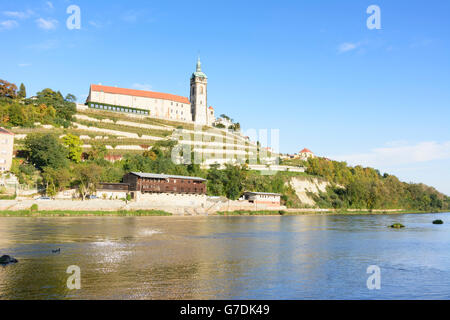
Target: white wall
[158,108]
[165,199]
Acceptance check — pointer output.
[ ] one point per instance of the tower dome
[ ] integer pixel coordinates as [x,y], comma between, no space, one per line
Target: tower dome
[199,73]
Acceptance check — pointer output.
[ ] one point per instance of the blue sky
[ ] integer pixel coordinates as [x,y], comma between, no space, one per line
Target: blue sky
[311,69]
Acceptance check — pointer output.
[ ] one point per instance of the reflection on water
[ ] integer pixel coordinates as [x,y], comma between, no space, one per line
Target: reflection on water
[304,257]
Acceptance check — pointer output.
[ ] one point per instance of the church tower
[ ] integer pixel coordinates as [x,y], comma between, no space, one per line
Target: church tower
[199,94]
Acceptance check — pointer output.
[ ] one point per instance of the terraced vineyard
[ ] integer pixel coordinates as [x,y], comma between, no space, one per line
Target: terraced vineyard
[124,133]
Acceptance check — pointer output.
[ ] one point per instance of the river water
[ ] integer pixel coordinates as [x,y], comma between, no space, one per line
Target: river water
[291,257]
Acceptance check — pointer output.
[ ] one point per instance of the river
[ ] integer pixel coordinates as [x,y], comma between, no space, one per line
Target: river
[290,257]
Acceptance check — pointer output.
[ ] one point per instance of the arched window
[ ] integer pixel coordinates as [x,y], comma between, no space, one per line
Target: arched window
[201,90]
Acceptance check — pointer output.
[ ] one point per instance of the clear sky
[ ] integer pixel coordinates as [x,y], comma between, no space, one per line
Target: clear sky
[312,69]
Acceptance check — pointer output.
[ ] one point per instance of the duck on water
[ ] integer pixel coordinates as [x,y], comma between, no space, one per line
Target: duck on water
[4,260]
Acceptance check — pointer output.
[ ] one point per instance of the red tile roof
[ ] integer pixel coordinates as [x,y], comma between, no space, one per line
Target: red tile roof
[140,93]
[4,131]
[112,157]
[306,150]
[211,108]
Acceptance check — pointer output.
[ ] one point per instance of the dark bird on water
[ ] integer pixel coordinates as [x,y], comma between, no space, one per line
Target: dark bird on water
[4,260]
[57,250]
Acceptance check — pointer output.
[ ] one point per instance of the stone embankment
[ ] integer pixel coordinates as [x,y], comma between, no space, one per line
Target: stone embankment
[174,206]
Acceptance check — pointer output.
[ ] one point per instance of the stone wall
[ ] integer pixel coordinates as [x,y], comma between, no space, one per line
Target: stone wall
[175,200]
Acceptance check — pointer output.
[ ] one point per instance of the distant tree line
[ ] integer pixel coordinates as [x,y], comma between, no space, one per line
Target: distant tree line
[366,188]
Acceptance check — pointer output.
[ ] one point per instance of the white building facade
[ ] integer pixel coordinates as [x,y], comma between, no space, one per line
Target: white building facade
[157,104]
[6,149]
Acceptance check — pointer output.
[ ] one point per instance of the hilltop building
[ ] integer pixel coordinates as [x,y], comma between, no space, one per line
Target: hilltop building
[156,104]
[226,123]
[302,155]
[6,149]
[305,154]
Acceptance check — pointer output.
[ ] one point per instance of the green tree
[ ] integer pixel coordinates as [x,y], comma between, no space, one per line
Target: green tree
[98,151]
[215,180]
[234,181]
[45,150]
[71,98]
[87,177]
[74,145]
[65,108]
[22,91]
[55,180]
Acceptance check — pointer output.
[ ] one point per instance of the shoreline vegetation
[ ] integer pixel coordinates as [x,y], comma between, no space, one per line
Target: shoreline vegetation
[160,213]
[326,212]
[73,213]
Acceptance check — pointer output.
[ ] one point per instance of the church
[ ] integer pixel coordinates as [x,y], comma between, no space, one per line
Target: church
[157,104]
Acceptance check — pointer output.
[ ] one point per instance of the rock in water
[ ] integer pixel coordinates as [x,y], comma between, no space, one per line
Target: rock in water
[439,221]
[397,226]
[4,260]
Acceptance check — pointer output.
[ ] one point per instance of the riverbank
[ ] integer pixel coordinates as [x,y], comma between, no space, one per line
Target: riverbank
[60,213]
[305,212]
[100,208]
[153,213]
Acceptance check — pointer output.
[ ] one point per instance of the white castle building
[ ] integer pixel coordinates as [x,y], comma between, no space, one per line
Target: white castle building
[156,104]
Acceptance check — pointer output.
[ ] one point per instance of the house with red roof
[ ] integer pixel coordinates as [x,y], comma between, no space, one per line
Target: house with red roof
[305,154]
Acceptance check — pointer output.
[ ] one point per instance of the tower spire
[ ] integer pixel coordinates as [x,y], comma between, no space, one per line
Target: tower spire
[199,64]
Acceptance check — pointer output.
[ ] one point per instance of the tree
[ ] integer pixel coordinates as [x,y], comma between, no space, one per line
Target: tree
[17,115]
[22,92]
[150,154]
[45,150]
[74,145]
[70,97]
[65,108]
[98,151]
[234,181]
[215,179]
[8,90]
[55,180]
[87,177]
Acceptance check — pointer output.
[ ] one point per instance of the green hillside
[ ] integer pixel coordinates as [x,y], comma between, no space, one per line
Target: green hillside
[60,146]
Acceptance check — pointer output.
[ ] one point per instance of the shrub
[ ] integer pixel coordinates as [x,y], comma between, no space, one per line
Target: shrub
[34,208]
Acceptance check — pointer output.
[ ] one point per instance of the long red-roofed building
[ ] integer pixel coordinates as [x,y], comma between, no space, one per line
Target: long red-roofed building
[156,104]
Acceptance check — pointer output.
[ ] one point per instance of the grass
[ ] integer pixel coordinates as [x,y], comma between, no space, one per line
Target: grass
[124,128]
[7,196]
[37,130]
[121,142]
[251,213]
[60,213]
[115,116]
